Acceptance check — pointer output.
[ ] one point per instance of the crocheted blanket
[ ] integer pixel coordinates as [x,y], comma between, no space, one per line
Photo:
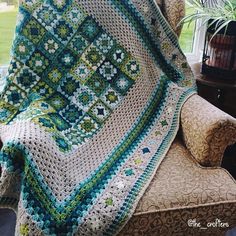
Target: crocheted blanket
[88,109]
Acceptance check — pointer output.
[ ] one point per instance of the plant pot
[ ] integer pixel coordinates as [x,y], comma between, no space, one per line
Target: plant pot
[219,57]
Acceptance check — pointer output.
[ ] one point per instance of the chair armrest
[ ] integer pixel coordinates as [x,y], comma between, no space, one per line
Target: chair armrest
[207,131]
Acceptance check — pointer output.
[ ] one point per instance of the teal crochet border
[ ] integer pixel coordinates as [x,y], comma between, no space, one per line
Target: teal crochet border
[148,172]
[29,192]
[171,71]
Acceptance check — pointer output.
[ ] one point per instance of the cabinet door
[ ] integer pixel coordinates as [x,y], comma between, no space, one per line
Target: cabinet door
[225,99]
[229,101]
[211,94]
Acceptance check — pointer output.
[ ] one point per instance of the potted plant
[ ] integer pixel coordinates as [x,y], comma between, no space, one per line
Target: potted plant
[219,55]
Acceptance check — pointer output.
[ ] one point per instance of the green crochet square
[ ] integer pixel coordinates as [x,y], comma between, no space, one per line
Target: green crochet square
[53,77]
[7,111]
[63,31]
[58,101]
[22,48]
[59,122]
[90,29]
[87,127]
[42,89]
[45,122]
[62,142]
[97,84]
[99,111]
[81,72]
[31,5]
[105,43]
[78,44]
[67,59]
[43,106]
[26,79]
[111,98]
[38,62]
[74,15]
[118,56]
[68,86]
[50,46]
[15,66]
[131,68]
[93,57]
[33,30]
[46,16]
[72,113]
[84,98]
[60,5]
[108,71]
[14,95]
[122,83]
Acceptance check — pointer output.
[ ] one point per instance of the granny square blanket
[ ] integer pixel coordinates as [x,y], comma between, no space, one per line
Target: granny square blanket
[89,107]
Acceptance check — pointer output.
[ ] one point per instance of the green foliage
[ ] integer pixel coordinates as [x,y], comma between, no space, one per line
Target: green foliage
[10,2]
[187,34]
[219,15]
[7,27]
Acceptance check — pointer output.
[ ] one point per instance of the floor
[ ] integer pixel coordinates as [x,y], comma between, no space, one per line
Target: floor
[7,222]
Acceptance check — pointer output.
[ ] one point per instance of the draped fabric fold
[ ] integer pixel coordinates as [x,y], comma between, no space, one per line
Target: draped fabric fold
[89,108]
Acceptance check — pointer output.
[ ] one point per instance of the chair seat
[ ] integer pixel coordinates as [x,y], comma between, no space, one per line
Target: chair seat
[181,193]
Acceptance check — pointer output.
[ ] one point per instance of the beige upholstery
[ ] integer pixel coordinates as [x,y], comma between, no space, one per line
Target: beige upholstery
[207,131]
[181,191]
[174,11]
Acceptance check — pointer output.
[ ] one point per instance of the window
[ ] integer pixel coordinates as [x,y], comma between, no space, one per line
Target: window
[192,39]
[8,13]
[187,35]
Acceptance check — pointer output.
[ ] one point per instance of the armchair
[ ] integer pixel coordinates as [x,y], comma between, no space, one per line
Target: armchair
[184,197]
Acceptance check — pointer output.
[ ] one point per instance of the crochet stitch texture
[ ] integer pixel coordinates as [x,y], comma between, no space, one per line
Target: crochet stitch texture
[88,110]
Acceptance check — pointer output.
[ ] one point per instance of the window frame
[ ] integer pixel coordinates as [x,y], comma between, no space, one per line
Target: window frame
[3,70]
[198,43]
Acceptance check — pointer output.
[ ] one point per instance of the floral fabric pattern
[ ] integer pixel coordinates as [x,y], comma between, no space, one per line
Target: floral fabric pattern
[90,107]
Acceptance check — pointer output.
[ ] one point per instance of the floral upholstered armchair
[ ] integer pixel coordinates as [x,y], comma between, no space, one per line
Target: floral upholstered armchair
[190,187]
[190,193]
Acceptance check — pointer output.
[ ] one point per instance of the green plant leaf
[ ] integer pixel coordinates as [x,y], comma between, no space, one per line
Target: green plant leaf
[219,14]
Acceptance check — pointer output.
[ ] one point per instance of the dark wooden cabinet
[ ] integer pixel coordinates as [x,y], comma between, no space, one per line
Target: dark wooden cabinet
[221,92]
